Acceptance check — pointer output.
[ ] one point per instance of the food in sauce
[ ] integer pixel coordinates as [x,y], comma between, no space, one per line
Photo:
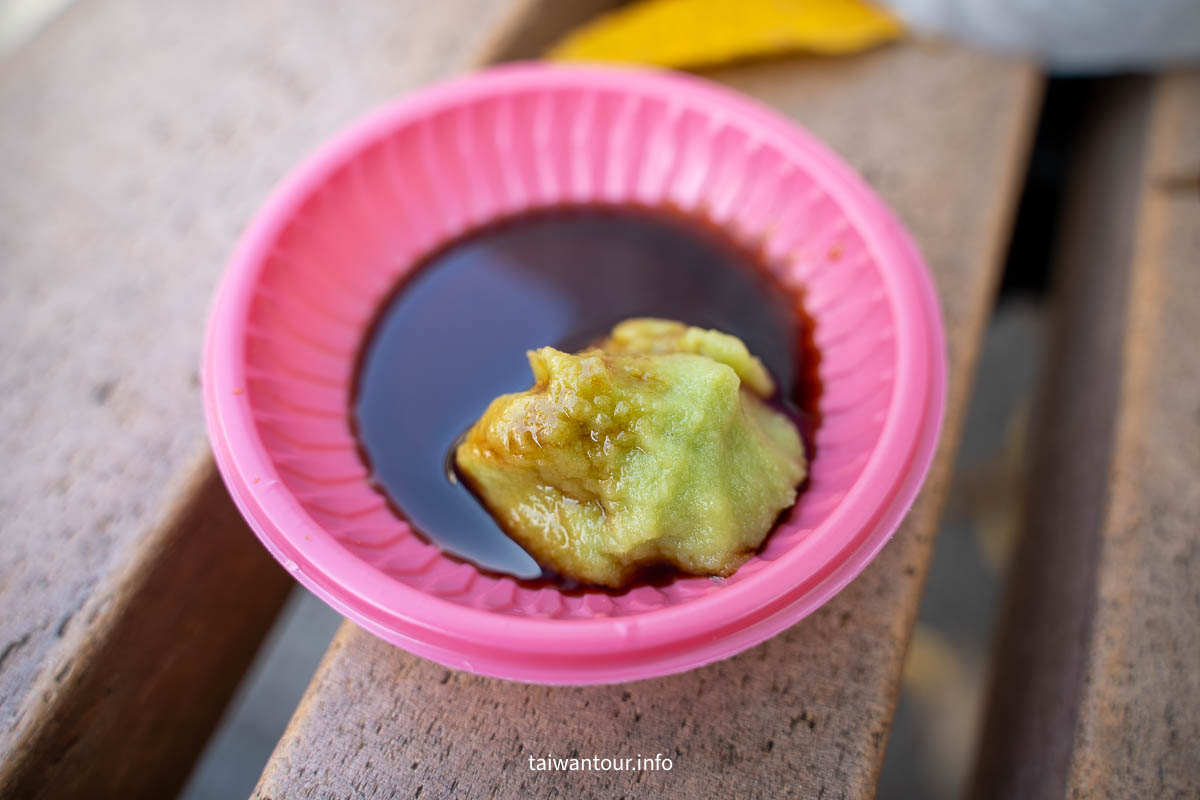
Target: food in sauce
[654,447]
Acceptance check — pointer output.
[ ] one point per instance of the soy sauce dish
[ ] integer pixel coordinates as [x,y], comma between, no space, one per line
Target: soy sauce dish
[392,287]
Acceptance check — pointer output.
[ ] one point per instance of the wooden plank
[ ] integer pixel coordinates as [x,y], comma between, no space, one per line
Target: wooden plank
[1038,656]
[942,134]
[1138,732]
[136,138]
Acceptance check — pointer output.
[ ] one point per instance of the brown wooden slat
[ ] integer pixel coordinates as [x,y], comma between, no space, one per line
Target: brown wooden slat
[1138,733]
[942,134]
[1038,652]
[136,139]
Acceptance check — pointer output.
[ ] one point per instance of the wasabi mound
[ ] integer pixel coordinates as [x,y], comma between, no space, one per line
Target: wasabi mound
[655,447]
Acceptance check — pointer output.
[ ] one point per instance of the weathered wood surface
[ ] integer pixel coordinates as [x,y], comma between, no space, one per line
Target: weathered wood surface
[1138,730]
[136,139]
[942,134]
[1037,657]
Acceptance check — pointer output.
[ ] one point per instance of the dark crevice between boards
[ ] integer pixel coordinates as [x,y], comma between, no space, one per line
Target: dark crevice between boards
[1030,259]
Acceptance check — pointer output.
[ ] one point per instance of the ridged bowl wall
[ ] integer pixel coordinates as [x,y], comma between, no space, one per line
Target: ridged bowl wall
[326,250]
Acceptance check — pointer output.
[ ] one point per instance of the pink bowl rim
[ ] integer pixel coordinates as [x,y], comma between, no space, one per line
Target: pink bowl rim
[604,649]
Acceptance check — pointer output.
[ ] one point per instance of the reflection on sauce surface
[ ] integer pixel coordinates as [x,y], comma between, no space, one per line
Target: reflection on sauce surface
[454,334]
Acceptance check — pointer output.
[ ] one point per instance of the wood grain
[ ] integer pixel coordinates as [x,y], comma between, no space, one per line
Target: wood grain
[942,134]
[1037,657]
[136,139]
[1138,732]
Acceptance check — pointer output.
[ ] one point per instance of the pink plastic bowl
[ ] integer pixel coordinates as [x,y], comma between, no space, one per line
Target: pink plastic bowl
[331,243]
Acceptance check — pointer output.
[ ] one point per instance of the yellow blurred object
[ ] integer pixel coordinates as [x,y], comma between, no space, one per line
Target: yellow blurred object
[699,33]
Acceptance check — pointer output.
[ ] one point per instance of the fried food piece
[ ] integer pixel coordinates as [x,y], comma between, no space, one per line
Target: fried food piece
[654,448]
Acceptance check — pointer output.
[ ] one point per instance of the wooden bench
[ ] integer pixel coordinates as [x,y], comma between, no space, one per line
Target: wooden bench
[1097,665]
[136,139]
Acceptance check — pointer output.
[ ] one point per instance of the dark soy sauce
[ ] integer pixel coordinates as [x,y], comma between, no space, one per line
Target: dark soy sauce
[454,334]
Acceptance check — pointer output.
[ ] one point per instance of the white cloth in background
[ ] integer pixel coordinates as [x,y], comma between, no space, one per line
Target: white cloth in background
[1068,35]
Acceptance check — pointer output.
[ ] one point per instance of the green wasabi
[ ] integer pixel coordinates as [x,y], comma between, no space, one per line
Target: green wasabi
[655,447]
